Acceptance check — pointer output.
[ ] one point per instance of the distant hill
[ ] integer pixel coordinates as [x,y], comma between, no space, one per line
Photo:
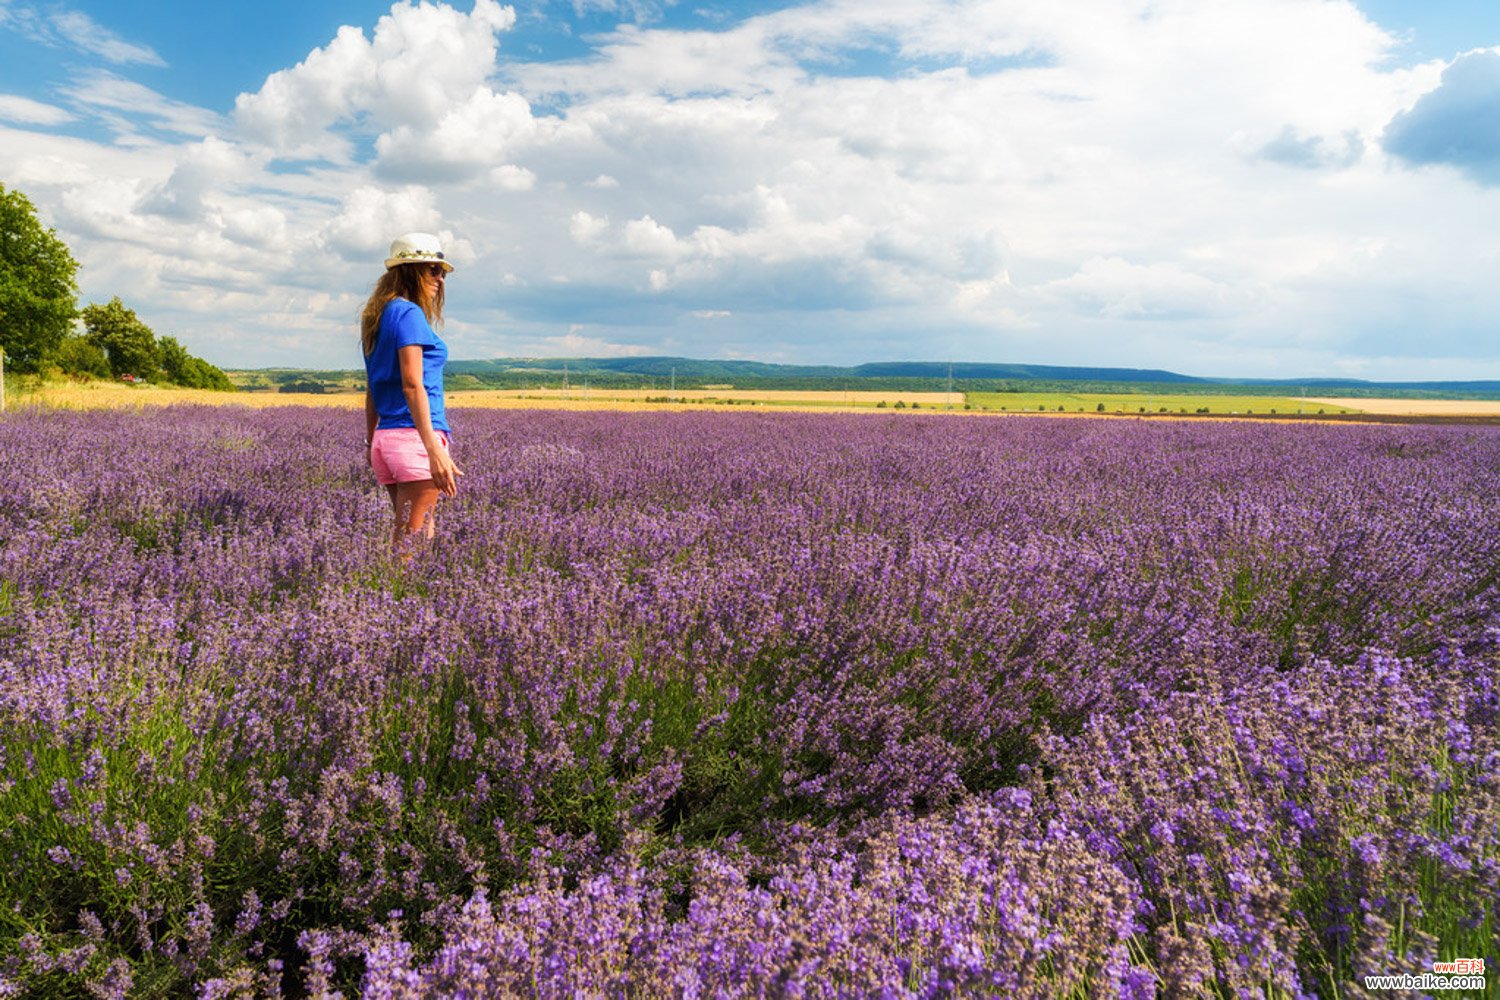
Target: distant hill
[965,376]
[1363,387]
[692,371]
[968,370]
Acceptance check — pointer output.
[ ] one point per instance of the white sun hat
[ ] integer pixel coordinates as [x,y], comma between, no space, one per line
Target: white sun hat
[417,248]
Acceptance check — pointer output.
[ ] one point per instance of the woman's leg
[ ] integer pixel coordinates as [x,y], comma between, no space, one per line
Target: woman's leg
[413,503]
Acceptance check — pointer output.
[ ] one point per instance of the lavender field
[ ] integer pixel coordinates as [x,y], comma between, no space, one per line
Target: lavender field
[723,705]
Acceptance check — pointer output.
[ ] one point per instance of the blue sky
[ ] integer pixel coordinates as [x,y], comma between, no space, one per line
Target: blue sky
[1251,187]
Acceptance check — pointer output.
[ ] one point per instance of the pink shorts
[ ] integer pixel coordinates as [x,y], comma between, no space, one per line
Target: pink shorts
[398,456]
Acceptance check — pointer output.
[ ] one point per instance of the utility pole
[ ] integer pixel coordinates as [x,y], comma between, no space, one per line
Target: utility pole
[674,380]
[2,380]
[950,385]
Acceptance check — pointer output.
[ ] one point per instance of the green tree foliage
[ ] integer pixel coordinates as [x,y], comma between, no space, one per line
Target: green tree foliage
[80,356]
[38,293]
[184,369]
[174,359]
[304,385]
[133,349]
[130,344]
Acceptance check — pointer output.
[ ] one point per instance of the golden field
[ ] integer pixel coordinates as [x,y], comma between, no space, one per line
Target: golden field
[725,396]
[93,395]
[90,395]
[103,395]
[1417,407]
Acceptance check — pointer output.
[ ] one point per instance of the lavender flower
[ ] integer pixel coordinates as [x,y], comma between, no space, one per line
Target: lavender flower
[732,705]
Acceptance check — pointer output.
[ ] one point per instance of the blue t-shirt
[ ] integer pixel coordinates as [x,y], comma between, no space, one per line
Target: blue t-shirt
[402,324]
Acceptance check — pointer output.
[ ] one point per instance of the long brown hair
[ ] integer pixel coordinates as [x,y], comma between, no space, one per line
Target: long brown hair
[403,281]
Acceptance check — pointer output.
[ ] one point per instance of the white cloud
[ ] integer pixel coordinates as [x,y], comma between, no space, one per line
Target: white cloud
[85,33]
[575,343]
[202,170]
[640,11]
[585,228]
[509,177]
[1456,122]
[483,130]
[1025,181]
[25,111]
[58,26]
[645,237]
[257,226]
[635,61]
[420,62]
[126,105]
[370,217]
[1118,289]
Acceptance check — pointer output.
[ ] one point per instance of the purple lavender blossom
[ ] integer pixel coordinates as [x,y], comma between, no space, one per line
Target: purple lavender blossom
[734,705]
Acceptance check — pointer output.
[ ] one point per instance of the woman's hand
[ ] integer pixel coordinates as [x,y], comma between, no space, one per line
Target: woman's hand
[445,471]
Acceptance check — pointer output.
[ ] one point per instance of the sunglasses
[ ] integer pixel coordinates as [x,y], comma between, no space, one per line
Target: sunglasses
[436,270]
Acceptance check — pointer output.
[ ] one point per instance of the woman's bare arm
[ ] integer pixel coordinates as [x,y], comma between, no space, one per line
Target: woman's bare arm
[372,417]
[444,472]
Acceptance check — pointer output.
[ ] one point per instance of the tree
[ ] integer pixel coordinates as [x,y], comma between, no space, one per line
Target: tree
[182,368]
[130,344]
[80,356]
[207,376]
[175,360]
[38,293]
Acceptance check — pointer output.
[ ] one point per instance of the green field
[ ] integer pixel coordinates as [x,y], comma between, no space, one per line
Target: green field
[1099,402]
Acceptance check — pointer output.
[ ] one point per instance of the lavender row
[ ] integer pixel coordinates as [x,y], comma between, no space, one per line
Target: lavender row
[649,648]
[1226,842]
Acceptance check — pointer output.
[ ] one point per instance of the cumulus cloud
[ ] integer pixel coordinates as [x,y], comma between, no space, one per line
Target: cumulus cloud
[420,62]
[585,228]
[509,177]
[477,133]
[1022,181]
[632,60]
[645,237]
[1458,123]
[202,169]
[370,216]
[263,226]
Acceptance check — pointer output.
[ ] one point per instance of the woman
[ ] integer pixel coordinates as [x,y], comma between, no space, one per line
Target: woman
[406,428]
